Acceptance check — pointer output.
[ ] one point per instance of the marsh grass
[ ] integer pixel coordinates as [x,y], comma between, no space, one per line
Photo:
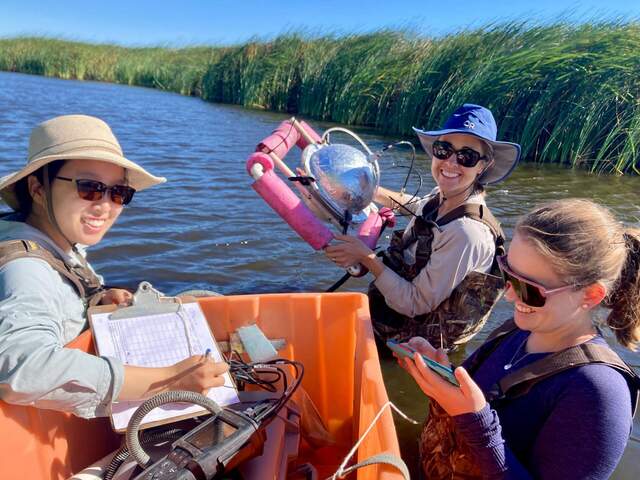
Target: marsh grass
[567,93]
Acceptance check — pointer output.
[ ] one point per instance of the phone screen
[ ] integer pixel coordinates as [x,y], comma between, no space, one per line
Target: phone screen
[405,350]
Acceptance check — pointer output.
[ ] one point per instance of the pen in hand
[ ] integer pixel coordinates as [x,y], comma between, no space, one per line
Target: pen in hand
[207,354]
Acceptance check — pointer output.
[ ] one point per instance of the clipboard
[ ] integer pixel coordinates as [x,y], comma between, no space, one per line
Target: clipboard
[156,331]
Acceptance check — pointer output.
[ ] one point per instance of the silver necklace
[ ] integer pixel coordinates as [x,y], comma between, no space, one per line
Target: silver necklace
[511,363]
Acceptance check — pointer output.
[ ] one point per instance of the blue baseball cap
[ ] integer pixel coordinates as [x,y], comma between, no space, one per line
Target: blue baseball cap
[478,121]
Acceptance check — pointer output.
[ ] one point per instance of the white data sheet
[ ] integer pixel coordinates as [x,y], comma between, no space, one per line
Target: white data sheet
[158,341]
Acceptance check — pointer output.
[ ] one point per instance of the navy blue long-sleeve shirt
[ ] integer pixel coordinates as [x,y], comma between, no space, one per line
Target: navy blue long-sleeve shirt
[574,425]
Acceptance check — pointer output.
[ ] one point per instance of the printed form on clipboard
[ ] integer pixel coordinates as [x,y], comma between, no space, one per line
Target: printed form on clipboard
[157,338]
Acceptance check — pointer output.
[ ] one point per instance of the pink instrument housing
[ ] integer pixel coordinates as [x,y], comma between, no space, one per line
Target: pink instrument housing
[298,211]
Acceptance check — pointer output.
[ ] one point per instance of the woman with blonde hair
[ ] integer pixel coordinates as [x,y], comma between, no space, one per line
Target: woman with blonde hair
[545,396]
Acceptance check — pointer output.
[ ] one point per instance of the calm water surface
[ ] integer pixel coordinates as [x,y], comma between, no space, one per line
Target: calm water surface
[206,227]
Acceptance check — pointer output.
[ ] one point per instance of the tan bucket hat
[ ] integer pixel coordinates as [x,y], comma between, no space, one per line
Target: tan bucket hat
[74,137]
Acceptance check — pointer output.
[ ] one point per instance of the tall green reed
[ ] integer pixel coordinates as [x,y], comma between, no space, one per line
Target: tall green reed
[567,93]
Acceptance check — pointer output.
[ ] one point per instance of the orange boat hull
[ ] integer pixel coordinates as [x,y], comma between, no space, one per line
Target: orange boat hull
[329,333]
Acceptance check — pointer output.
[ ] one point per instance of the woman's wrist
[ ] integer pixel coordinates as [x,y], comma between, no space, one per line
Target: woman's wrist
[144,382]
[373,263]
[175,378]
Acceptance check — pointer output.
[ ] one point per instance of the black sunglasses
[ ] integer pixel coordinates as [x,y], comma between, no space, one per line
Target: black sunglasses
[529,292]
[467,157]
[93,190]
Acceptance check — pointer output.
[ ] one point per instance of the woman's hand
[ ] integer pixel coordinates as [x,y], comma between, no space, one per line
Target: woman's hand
[117,296]
[423,346]
[198,374]
[350,251]
[468,398]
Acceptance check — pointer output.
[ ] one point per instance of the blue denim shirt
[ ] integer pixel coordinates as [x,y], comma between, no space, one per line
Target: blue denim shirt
[40,312]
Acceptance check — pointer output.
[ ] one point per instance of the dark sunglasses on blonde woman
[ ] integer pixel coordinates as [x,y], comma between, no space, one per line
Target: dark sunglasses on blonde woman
[93,190]
[529,292]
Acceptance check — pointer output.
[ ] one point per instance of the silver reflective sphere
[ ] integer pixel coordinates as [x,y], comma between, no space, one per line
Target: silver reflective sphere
[345,178]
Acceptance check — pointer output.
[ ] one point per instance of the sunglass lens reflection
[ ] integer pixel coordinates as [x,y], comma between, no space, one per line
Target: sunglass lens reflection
[121,194]
[527,293]
[92,191]
[442,150]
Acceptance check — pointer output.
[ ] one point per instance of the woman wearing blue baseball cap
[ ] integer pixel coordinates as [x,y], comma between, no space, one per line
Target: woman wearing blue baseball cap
[439,279]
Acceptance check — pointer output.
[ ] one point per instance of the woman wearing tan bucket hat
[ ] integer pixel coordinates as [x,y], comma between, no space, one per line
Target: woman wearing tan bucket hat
[72,189]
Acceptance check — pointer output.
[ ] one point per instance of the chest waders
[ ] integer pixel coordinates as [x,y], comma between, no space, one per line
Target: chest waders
[460,316]
[85,281]
[444,454]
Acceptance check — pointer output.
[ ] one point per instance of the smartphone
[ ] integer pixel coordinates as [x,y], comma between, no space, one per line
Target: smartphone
[405,350]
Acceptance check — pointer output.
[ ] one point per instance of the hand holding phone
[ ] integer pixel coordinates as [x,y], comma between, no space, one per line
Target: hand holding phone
[404,350]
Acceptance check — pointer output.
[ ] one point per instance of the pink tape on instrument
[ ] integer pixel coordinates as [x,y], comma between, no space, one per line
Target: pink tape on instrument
[370,230]
[388,216]
[291,208]
[372,227]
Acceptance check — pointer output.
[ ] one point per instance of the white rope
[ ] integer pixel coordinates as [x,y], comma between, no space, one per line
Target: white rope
[340,473]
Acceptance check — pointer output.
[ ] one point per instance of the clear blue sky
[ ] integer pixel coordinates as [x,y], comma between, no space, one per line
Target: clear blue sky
[182,22]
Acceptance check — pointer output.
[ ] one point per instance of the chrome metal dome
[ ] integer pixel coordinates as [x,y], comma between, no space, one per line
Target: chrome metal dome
[345,178]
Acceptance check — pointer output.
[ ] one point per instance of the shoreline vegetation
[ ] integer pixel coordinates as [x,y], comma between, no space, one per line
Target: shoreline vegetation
[568,93]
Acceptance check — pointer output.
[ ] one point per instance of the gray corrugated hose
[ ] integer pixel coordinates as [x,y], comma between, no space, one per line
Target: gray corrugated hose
[133,442]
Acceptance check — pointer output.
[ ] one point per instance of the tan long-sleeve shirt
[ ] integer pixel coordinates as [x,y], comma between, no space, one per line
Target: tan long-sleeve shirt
[459,247]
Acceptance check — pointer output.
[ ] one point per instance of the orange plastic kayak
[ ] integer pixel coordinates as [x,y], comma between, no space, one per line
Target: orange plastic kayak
[329,333]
